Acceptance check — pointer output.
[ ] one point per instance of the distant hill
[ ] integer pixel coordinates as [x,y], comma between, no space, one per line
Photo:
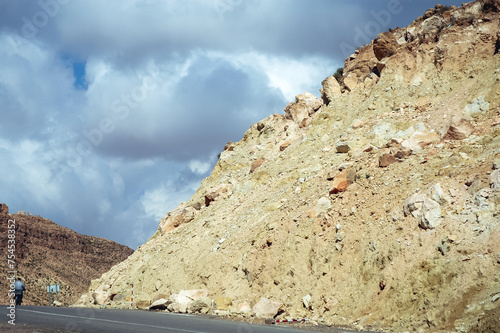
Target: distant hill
[47,253]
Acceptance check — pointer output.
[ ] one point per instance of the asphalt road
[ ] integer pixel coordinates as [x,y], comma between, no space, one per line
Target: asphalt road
[132,321]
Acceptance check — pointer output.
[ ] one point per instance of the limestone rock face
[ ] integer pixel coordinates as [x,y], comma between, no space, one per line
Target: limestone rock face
[430,215]
[321,228]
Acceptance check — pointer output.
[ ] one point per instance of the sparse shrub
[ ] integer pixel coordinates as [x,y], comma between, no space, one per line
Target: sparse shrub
[338,74]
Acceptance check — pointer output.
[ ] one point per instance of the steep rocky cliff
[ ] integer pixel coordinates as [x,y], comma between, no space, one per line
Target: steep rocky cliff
[376,206]
[46,253]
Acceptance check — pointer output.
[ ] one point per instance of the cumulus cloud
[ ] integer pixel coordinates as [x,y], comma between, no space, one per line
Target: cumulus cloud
[112,112]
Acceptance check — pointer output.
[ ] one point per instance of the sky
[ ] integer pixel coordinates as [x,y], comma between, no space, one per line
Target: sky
[113,111]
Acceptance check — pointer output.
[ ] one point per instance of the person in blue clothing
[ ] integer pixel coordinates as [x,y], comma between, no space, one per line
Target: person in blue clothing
[19,289]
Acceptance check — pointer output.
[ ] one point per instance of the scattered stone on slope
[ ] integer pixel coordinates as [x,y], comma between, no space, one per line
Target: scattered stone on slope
[342,147]
[437,194]
[322,206]
[458,128]
[385,160]
[306,300]
[413,205]
[285,145]
[477,108]
[256,164]
[495,179]
[342,181]
[218,192]
[430,216]
[160,304]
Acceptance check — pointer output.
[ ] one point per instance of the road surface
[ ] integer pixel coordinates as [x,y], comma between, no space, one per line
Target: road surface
[132,321]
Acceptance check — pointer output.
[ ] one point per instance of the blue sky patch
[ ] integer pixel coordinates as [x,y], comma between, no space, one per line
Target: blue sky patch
[79,75]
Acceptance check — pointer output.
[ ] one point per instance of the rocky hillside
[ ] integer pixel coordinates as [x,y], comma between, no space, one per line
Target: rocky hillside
[375,207]
[46,253]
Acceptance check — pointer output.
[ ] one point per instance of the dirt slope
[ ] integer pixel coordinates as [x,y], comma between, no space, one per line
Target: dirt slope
[376,207]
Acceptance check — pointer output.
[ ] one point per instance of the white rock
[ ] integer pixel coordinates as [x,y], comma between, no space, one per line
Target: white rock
[413,205]
[478,107]
[307,301]
[266,308]
[437,194]
[430,215]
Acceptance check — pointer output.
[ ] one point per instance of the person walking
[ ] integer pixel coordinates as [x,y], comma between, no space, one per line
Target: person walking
[19,288]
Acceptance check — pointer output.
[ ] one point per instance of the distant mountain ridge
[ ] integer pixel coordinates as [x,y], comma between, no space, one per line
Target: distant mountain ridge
[47,253]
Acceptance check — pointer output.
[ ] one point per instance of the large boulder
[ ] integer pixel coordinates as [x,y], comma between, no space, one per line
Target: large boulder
[160,304]
[176,217]
[431,214]
[266,308]
[182,301]
[385,45]
[343,180]
[331,89]
[305,105]
[100,295]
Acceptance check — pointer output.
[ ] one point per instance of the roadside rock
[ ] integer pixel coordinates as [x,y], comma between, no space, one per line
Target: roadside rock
[223,303]
[182,301]
[176,217]
[256,164]
[160,304]
[201,305]
[266,308]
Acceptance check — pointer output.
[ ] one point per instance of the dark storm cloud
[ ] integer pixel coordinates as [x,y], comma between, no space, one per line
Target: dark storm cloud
[166,85]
